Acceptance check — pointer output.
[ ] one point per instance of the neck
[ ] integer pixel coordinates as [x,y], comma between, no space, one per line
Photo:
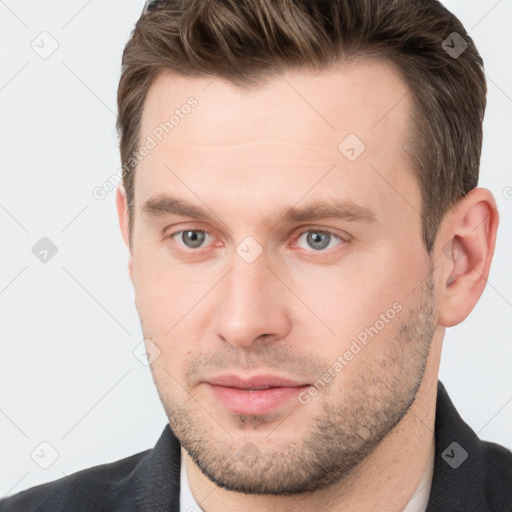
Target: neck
[387,480]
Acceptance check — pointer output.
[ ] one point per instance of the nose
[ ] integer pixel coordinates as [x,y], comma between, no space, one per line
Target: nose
[251,305]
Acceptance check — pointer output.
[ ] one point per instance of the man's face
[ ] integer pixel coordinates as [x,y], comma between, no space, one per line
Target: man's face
[270,283]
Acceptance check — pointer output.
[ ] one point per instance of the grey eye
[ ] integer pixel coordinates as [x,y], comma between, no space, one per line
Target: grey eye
[193,239]
[317,240]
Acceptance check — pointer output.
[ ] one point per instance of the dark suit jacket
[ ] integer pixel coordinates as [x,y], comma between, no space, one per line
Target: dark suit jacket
[150,481]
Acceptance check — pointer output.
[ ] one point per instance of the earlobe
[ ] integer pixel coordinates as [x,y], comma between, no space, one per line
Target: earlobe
[465,255]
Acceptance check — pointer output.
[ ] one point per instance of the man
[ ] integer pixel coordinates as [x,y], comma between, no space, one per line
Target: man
[301,209]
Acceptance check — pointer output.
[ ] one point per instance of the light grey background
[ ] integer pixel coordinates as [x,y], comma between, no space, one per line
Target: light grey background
[68,374]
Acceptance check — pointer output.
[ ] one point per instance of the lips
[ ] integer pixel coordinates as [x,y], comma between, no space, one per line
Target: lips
[258,382]
[257,395]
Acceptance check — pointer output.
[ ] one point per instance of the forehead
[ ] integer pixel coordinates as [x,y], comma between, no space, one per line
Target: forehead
[365,97]
[288,132]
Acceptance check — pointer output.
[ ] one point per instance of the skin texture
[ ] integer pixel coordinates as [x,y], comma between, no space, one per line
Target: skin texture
[247,157]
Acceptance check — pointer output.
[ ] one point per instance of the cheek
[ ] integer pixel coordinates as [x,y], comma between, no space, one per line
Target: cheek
[171,314]
[164,293]
[345,299]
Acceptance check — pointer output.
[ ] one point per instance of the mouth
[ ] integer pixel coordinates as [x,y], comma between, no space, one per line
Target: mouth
[256,396]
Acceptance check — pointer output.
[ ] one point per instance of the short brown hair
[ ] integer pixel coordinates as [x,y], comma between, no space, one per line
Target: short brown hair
[249,41]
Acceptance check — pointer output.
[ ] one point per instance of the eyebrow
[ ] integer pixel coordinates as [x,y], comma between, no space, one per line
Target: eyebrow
[162,206]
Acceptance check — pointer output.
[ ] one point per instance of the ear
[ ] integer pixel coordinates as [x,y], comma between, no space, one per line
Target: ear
[122,213]
[464,252]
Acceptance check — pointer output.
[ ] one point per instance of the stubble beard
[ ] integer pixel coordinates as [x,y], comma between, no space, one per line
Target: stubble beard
[340,436]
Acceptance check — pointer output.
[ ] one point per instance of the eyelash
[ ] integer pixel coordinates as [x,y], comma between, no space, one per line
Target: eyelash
[317,229]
